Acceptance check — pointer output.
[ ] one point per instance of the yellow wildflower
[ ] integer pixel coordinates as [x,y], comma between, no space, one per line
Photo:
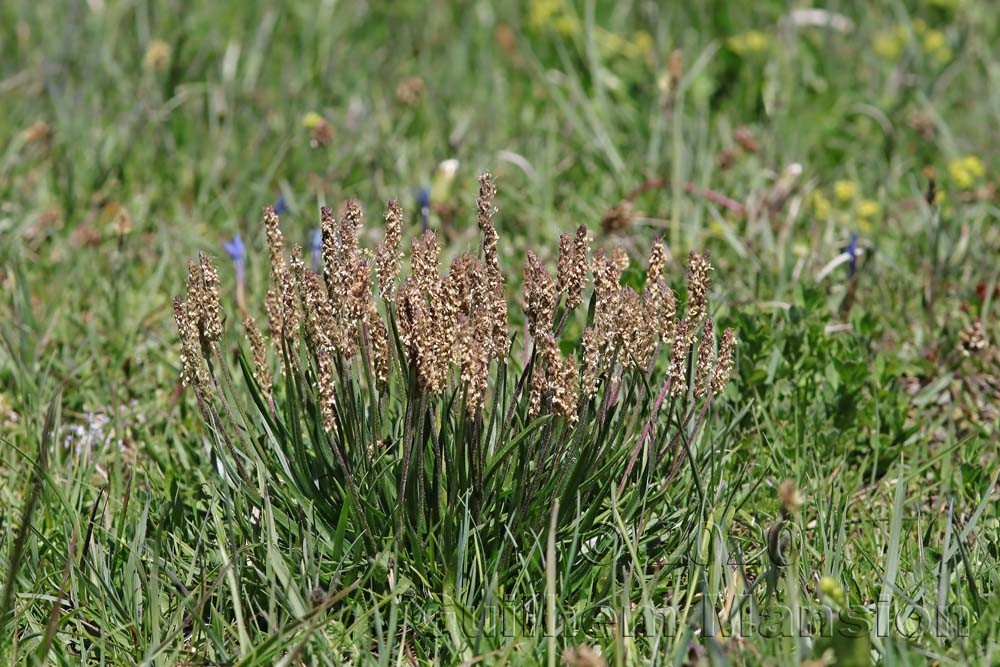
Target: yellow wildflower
[966,171]
[845,191]
[919,26]
[934,40]
[641,46]
[887,45]
[312,120]
[567,25]
[869,208]
[974,165]
[609,43]
[542,12]
[752,41]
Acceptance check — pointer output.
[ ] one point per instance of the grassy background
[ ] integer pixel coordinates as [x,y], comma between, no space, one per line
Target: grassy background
[114,170]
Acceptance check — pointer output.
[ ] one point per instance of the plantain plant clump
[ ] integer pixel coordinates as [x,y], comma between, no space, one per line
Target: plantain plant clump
[438,450]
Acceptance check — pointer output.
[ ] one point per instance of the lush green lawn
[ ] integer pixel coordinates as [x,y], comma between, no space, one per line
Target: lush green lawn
[135,134]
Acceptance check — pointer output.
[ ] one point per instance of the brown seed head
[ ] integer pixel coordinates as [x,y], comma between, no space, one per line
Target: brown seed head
[261,371]
[475,360]
[661,308]
[272,304]
[698,283]
[425,258]
[635,332]
[790,497]
[619,217]
[359,293]
[565,387]
[350,227]
[547,347]
[193,373]
[578,268]
[387,261]
[573,266]
[458,285]
[657,261]
[486,209]
[195,292]
[290,315]
[539,295]
[408,302]
[678,359]
[211,304]
[326,389]
[724,368]
[275,245]
[620,258]
[322,328]
[565,261]
[409,91]
[608,302]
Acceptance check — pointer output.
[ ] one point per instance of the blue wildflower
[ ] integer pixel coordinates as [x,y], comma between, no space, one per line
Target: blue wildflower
[852,252]
[316,248]
[424,201]
[237,252]
[281,205]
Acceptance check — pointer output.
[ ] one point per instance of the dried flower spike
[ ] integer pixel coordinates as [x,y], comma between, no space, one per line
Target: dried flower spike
[387,260]
[193,373]
[678,359]
[790,497]
[725,366]
[657,261]
[275,244]
[260,370]
[539,295]
[573,266]
[565,388]
[326,390]
[211,296]
[475,361]
[699,281]
[485,210]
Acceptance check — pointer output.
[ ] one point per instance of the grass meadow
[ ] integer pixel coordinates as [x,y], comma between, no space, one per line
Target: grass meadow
[459,429]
